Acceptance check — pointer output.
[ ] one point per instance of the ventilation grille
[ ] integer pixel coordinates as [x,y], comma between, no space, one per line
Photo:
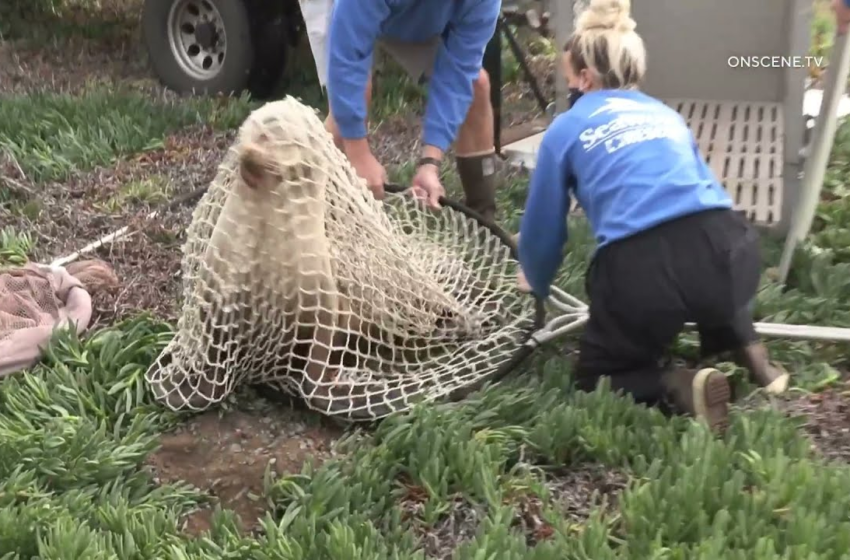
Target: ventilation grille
[743,143]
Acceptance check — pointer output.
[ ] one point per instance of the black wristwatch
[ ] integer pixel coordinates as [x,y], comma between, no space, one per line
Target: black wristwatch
[429,161]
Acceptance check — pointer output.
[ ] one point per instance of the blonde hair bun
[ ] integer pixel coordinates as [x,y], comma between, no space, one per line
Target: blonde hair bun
[606,15]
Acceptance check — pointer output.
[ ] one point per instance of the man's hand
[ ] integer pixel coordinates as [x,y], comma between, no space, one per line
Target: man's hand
[426,185]
[842,15]
[366,165]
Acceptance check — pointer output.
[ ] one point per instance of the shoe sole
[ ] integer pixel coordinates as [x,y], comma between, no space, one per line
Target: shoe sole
[711,393]
[778,385]
[775,387]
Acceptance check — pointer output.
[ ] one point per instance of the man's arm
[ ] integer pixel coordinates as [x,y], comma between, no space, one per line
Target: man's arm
[842,14]
[355,27]
[543,230]
[456,67]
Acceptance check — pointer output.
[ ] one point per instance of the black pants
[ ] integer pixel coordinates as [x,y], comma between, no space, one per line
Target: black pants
[703,268]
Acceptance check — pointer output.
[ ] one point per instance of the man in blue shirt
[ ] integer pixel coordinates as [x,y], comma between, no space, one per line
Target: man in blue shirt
[438,41]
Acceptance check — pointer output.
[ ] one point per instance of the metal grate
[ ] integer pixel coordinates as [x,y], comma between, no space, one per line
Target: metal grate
[743,144]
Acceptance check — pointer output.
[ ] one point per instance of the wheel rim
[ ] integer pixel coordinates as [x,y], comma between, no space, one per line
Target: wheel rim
[197,37]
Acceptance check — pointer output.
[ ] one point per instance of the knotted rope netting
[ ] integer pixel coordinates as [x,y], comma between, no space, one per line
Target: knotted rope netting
[294,276]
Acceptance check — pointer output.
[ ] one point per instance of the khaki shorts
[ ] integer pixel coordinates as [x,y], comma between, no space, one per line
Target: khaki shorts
[417,59]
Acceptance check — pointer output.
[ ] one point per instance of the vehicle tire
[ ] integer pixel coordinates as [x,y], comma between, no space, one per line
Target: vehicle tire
[199,46]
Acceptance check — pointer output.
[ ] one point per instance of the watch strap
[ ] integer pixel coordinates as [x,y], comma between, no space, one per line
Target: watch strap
[428,161]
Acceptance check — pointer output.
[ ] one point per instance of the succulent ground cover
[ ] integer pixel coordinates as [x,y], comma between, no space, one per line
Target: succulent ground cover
[91,468]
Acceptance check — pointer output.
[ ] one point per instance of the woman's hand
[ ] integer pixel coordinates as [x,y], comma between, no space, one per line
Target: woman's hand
[521,281]
[426,185]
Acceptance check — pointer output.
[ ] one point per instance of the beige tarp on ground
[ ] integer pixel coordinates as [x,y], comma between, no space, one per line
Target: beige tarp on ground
[35,300]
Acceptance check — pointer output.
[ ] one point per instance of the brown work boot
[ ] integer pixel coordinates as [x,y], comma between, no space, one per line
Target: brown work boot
[704,394]
[762,372]
[478,178]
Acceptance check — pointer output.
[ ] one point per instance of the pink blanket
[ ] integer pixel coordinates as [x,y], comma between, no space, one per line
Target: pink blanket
[34,301]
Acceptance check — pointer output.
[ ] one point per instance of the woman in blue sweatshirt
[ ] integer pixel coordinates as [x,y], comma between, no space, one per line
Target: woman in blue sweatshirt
[670,249]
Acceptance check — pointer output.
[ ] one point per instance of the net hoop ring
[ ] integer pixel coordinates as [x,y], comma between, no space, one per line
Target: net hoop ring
[527,347]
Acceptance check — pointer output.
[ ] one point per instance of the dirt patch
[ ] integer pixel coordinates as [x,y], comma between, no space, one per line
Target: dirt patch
[456,526]
[575,493]
[148,266]
[75,49]
[529,519]
[583,489]
[91,205]
[227,453]
[396,140]
[25,70]
[826,420]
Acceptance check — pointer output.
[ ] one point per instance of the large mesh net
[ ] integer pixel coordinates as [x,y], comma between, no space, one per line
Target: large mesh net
[294,276]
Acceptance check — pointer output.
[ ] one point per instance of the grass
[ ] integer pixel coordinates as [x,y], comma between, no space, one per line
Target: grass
[151,191]
[15,246]
[51,135]
[76,430]
[823,28]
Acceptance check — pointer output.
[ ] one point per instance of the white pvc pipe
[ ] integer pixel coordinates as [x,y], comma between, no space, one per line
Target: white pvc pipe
[803,332]
[816,163]
[105,240]
[570,322]
[799,332]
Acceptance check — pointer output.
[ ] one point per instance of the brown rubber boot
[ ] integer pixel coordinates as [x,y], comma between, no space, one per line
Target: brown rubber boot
[478,178]
[762,372]
[704,394]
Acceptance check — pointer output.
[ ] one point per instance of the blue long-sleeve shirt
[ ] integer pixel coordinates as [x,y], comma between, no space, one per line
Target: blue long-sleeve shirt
[630,161]
[466,26]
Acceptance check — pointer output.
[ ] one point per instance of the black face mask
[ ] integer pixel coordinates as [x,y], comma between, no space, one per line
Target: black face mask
[574,95]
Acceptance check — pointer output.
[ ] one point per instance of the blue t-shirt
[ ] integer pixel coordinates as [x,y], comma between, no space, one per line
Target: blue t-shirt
[630,161]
